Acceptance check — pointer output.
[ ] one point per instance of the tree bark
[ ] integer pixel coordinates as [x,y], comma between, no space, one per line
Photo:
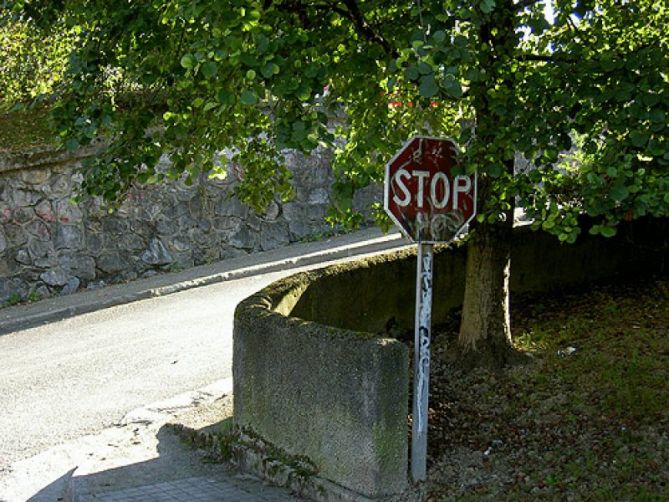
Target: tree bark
[485,327]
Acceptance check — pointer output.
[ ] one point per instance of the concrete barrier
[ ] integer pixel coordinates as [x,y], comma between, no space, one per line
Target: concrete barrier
[311,377]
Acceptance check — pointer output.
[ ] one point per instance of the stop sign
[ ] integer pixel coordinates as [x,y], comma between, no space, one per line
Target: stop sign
[423,197]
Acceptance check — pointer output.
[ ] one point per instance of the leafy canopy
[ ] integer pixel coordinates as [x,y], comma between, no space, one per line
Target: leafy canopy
[579,88]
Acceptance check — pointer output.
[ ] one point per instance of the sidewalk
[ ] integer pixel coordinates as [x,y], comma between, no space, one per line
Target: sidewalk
[295,255]
[141,457]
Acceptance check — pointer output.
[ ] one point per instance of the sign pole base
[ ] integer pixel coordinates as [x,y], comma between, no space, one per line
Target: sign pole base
[421,362]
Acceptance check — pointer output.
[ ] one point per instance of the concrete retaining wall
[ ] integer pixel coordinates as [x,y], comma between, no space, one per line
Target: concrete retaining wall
[337,396]
[368,295]
[310,377]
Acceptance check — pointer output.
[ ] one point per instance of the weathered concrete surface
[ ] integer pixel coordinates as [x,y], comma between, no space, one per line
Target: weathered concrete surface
[337,396]
[310,376]
[371,294]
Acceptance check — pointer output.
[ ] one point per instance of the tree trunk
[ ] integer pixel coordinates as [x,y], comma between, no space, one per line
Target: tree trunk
[485,327]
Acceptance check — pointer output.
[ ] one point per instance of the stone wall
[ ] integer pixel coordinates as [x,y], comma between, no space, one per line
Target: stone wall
[48,245]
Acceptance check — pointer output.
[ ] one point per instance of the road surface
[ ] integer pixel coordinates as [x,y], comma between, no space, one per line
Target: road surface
[80,375]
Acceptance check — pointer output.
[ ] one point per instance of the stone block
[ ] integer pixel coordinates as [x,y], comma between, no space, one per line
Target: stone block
[71,287]
[61,186]
[272,212]
[5,213]
[319,196]
[40,249]
[166,226]
[35,176]
[68,237]
[241,237]
[132,242]
[23,215]
[157,254]
[94,243]
[180,245]
[12,288]
[274,235]
[84,268]
[23,257]
[113,225]
[111,263]
[232,207]
[67,212]
[56,276]
[15,234]
[44,210]
[25,198]
[39,230]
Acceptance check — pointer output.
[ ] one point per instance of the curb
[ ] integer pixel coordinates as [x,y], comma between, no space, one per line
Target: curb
[16,318]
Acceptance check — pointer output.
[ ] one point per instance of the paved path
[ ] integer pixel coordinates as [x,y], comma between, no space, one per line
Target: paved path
[199,489]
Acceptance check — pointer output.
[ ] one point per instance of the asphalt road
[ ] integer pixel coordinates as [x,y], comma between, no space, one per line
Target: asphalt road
[80,375]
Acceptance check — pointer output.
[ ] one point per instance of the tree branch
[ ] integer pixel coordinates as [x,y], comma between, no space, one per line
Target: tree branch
[361,25]
[351,12]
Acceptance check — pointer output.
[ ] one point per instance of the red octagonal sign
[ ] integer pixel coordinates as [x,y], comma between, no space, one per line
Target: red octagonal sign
[423,197]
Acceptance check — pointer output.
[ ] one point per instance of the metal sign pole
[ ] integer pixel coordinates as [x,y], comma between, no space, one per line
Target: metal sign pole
[421,377]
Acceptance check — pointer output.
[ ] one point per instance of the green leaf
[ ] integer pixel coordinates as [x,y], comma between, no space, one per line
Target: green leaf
[428,86]
[209,69]
[658,116]
[619,192]
[452,86]
[424,68]
[251,74]
[487,6]
[639,138]
[473,74]
[412,73]
[269,70]
[226,97]
[249,98]
[439,36]
[188,61]
[209,106]
[607,231]
[304,93]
